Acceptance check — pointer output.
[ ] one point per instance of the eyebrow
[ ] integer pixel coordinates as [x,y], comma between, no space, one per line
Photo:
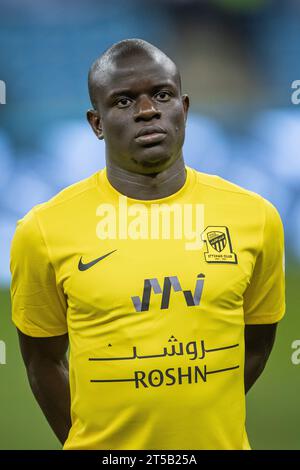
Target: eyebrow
[128,91]
[119,92]
[165,85]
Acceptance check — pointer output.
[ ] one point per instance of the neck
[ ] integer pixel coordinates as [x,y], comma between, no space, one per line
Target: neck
[147,187]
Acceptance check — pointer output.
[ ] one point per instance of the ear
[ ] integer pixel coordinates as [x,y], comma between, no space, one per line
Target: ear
[186,104]
[95,121]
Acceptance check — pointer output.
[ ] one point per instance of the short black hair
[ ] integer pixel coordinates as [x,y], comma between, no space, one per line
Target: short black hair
[120,50]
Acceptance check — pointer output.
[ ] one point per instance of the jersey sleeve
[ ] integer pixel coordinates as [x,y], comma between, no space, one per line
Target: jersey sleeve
[264,299]
[38,303]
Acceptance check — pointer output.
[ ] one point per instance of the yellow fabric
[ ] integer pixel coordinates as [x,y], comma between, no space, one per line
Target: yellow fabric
[172,377]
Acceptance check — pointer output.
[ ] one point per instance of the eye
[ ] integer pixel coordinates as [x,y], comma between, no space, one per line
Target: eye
[163,96]
[123,102]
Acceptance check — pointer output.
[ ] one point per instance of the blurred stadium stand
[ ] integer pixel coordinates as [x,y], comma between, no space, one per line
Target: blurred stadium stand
[238,60]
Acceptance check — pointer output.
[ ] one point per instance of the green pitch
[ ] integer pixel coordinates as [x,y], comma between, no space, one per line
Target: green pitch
[272,405]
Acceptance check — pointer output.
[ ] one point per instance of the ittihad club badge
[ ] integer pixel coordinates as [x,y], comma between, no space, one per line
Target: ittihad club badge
[218,245]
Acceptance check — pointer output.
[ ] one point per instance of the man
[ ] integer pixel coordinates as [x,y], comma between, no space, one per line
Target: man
[165,335]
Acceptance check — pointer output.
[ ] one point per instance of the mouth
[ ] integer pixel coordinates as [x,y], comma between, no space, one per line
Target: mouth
[150,135]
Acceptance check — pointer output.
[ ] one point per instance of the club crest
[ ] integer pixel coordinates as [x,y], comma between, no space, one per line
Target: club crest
[218,245]
[217,240]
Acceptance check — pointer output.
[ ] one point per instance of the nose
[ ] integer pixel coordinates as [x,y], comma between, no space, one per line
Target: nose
[146,110]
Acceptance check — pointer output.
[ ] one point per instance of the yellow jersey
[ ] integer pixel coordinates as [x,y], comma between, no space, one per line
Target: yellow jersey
[155,313]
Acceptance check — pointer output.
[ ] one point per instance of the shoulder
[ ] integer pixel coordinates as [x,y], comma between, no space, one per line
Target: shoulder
[259,214]
[64,202]
[216,183]
[66,197]
[223,189]
[69,194]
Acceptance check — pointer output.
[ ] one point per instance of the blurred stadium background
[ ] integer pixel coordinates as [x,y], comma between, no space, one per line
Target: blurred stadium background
[238,59]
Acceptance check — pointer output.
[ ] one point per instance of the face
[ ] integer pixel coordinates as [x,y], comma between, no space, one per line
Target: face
[141,114]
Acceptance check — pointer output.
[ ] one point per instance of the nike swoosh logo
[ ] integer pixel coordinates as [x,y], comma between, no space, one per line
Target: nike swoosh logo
[84,266]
